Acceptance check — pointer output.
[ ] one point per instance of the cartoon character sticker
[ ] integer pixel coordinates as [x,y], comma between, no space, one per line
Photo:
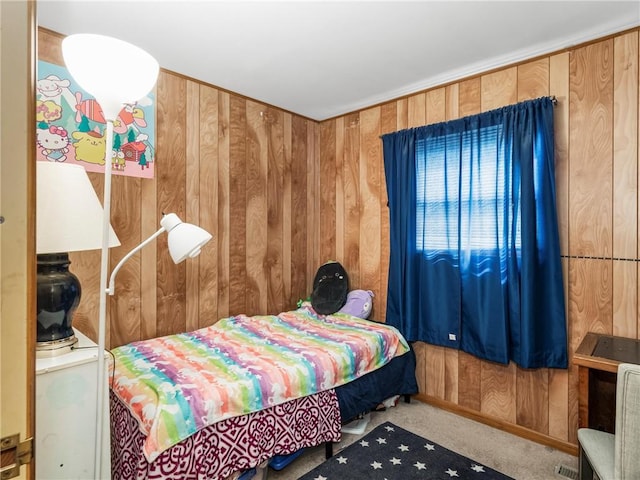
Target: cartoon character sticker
[71,127]
[53,142]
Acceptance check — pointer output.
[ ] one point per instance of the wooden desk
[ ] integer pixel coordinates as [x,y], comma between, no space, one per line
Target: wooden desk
[598,357]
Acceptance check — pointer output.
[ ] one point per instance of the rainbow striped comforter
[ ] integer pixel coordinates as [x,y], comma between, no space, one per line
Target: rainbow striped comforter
[179,384]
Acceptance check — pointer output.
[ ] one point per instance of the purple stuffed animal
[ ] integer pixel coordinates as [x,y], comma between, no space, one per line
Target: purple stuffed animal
[358,304]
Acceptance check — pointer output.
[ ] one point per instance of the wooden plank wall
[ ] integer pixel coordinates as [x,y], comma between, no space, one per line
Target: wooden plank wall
[596,127]
[282,194]
[244,171]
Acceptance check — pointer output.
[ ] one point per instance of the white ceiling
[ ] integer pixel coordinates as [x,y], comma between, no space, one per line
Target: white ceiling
[321,59]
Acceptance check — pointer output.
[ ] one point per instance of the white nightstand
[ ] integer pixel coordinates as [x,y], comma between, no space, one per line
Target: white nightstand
[66,388]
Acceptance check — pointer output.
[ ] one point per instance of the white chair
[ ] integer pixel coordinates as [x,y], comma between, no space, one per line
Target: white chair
[615,456]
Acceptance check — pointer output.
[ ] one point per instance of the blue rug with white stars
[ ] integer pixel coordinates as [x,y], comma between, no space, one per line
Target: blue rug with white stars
[389,452]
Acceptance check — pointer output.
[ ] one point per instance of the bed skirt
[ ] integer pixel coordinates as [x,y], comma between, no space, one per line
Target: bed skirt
[234,444]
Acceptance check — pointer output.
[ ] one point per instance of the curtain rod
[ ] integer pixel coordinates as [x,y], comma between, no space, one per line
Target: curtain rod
[553,99]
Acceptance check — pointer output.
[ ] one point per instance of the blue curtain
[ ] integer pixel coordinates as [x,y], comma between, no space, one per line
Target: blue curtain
[475,256]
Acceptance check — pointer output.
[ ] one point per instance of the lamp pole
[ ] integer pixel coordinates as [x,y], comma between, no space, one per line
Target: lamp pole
[102,317]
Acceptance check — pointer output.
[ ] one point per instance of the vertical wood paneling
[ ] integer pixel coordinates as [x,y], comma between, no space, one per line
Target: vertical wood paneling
[370,155]
[171,183]
[273,262]
[149,222]
[402,113]
[208,211]
[388,123]
[591,95]
[351,211]
[638,157]
[256,209]
[124,307]
[287,213]
[192,214]
[237,205]
[314,160]
[559,86]
[625,184]
[625,146]
[340,194]
[223,232]
[417,110]
[299,210]
[499,88]
[533,79]
[327,193]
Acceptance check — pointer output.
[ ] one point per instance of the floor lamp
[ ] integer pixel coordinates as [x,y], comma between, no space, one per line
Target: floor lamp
[137,74]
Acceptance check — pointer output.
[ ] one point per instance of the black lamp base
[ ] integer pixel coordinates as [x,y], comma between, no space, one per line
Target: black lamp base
[58,297]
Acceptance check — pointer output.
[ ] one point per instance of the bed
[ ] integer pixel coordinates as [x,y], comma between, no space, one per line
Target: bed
[222,399]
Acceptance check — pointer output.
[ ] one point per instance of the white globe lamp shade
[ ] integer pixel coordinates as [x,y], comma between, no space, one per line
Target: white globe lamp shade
[111,70]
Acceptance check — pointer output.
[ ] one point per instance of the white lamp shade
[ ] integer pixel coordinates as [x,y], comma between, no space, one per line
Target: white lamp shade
[69,214]
[113,71]
[184,239]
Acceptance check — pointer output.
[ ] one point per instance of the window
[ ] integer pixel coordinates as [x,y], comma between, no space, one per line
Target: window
[460,193]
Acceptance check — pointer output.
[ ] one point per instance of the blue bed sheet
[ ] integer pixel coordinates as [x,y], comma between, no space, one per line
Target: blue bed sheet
[398,377]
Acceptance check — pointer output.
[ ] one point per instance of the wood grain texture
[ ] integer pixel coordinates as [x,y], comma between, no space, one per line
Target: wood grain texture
[370,178]
[340,193]
[287,212]
[558,408]
[170,169]
[402,113]
[224,204]
[351,214]
[625,146]
[313,203]
[149,221]
[237,205]
[625,299]
[275,214]
[388,123]
[498,390]
[299,209]
[192,199]
[208,209]
[124,306]
[591,169]
[327,193]
[499,88]
[417,110]
[533,79]
[532,399]
[559,87]
[256,209]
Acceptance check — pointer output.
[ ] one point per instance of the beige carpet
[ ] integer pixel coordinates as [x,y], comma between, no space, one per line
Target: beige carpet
[507,453]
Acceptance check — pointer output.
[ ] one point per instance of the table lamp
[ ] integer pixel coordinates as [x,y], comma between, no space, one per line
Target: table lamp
[68,219]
